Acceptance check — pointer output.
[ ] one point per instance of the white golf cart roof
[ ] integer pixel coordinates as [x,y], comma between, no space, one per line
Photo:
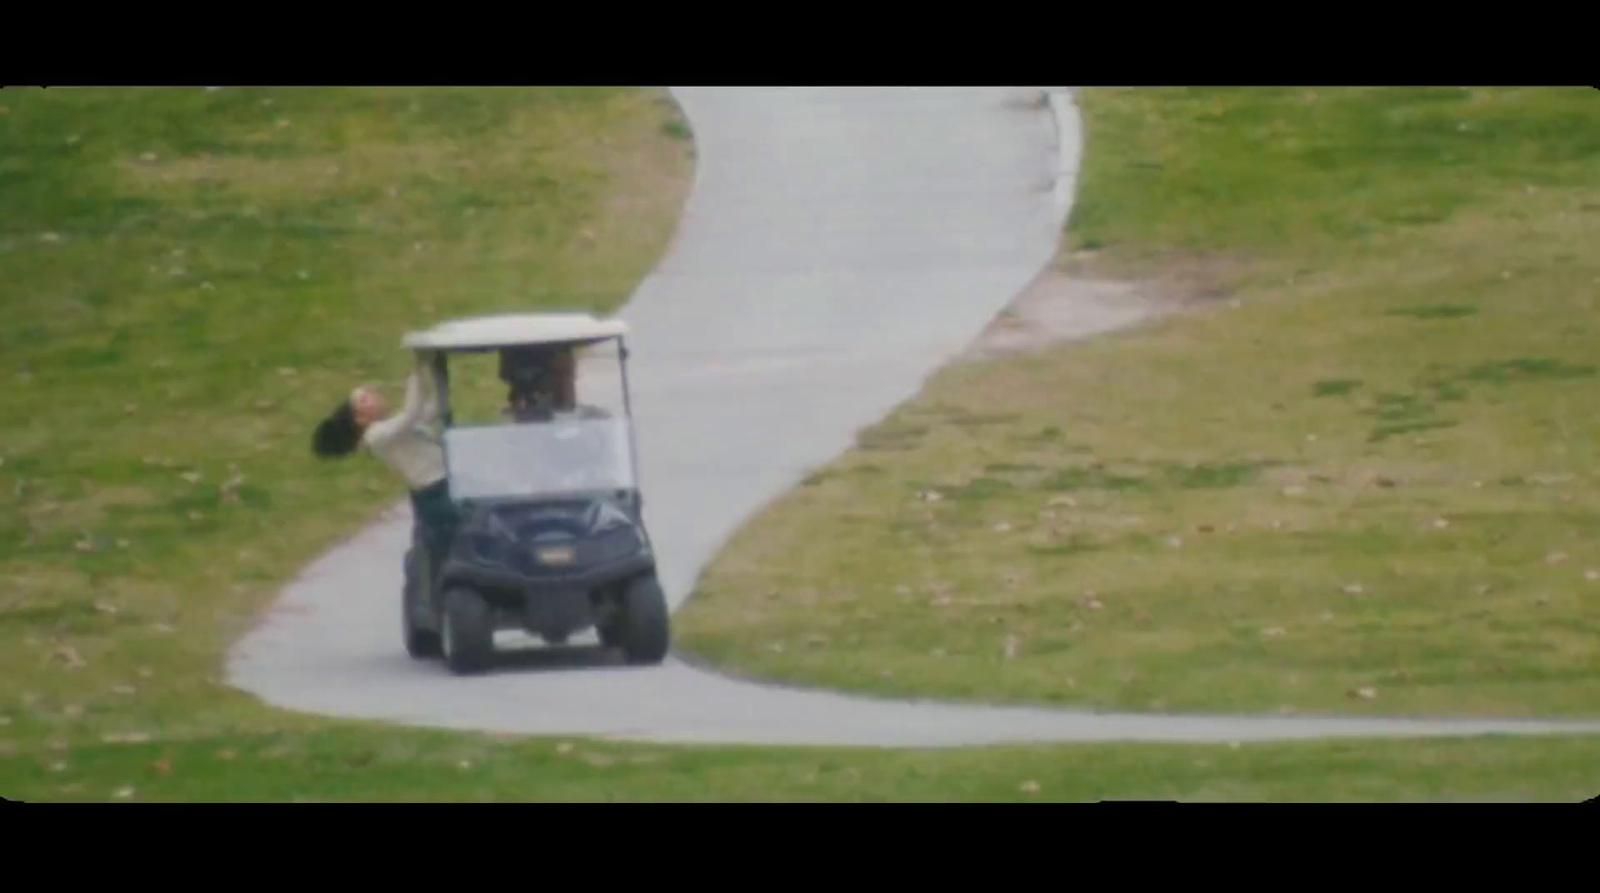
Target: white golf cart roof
[515,329]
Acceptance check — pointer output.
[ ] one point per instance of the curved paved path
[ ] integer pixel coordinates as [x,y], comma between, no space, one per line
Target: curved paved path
[840,244]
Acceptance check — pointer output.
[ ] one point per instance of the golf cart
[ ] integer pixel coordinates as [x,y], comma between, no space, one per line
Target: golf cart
[550,538]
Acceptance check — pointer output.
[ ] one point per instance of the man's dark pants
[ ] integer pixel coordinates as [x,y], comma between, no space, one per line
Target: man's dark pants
[434,519]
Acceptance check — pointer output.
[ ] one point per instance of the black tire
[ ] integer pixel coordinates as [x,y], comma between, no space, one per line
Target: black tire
[610,629]
[645,627]
[421,643]
[468,632]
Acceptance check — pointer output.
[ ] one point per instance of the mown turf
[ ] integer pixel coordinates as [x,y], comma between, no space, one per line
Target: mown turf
[349,762]
[192,279]
[111,656]
[1359,474]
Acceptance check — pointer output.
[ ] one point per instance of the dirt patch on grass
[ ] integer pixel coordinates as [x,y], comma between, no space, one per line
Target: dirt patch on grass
[1185,278]
[1057,308]
[1088,293]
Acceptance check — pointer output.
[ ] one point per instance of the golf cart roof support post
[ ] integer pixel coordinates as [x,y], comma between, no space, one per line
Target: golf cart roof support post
[627,408]
[441,389]
[441,392]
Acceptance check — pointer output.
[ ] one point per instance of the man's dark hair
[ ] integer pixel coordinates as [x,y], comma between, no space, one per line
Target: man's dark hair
[338,434]
[527,367]
[527,370]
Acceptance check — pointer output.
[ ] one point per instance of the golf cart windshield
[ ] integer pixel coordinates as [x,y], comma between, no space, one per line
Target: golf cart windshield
[568,454]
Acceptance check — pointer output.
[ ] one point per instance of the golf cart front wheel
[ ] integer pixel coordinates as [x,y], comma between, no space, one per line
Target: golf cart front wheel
[645,628]
[468,632]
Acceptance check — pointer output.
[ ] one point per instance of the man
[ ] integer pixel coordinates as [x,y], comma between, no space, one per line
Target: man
[544,383]
[409,442]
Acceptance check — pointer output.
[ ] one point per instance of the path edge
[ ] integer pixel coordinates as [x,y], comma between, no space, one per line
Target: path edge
[1068,120]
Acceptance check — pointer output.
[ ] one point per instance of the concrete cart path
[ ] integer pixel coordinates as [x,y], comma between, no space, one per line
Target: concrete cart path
[839,246]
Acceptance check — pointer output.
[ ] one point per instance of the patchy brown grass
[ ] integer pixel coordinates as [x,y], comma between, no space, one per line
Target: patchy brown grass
[1348,473]
[191,286]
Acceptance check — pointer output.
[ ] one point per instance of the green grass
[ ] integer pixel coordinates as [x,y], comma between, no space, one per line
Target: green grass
[349,762]
[193,279]
[1370,486]
[157,326]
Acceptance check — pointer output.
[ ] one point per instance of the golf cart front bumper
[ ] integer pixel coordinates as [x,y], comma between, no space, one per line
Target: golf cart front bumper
[595,563]
[549,604]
